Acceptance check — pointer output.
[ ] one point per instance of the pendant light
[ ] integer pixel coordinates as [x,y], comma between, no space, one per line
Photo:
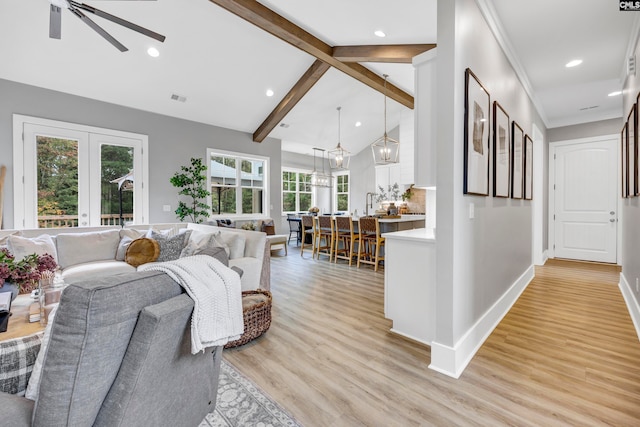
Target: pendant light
[385,149]
[339,157]
[320,179]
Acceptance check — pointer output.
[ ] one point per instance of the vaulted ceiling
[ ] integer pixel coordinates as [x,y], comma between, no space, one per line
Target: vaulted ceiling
[223,64]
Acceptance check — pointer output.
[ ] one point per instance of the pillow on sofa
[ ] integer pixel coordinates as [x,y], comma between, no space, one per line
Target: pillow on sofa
[78,248]
[170,247]
[17,358]
[142,251]
[198,240]
[234,241]
[127,235]
[20,246]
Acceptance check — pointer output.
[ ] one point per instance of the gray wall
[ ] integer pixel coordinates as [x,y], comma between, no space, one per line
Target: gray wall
[585,130]
[172,141]
[480,258]
[631,206]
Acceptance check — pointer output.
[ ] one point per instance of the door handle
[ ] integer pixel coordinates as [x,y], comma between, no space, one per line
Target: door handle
[612,213]
[612,220]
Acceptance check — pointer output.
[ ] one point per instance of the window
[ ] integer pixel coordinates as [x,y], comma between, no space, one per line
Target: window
[237,183]
[296,191]
[70,175]
[342,192]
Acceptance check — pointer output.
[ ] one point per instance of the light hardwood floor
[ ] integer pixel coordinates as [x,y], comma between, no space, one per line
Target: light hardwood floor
[566,354]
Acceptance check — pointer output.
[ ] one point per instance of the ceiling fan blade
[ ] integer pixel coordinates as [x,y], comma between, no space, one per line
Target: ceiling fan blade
[118,21]
[98,29]
[55,22]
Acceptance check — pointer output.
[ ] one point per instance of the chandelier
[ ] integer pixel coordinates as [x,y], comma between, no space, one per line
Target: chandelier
[385,149]
[320,179]
[339,157]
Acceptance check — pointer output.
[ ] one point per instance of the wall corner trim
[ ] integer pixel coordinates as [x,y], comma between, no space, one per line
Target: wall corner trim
[452,361]
[631,301]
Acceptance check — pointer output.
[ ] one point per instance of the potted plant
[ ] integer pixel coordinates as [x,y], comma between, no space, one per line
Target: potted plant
[22,276]
[191,180]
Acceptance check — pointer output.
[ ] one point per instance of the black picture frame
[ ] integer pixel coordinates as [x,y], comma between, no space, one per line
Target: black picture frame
[528,168]
[623,170]
[632,152]
[517,161]
[477,115]
[501,152]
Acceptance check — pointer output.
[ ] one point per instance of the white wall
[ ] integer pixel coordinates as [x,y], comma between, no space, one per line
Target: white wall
[172,141]
[483,263]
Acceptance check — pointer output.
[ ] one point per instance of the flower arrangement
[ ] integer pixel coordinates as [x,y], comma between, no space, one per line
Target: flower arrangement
[392,194]
[248,226]
[26,272]
[314,210]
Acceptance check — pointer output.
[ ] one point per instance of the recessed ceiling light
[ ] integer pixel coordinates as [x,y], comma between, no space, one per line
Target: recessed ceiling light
[573,63]
[358,124]
[153,52]
[616,93]
[379,33]
[269,92]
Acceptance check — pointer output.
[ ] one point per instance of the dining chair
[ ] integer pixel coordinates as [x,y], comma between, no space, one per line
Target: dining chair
[371,242]
[294,228]
[326,233]
[308,232]
[347,237]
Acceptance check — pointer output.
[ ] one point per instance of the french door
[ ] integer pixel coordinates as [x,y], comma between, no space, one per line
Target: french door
[69,175]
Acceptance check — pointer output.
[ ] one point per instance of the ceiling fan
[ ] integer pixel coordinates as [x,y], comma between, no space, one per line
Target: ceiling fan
[55,22]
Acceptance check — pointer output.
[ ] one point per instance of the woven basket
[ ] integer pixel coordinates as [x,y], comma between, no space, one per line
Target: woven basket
[257,318]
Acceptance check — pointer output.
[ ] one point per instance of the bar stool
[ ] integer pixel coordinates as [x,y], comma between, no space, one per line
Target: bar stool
[370,242]
[308,229]
[326,232]
[346,235]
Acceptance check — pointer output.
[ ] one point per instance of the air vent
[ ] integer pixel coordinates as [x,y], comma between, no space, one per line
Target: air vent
[284,125]
[631,66]
[589,108]
[179,98]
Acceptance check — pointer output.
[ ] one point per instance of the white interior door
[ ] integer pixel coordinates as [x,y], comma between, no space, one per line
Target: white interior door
[585,216]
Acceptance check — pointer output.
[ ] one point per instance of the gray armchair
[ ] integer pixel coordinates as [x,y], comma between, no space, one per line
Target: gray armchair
[119,355]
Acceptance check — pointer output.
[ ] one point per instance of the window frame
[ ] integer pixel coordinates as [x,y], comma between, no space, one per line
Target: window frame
[239,157]
[297,171]
[335,191]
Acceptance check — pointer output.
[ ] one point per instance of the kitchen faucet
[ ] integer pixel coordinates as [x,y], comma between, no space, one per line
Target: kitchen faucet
[367,202]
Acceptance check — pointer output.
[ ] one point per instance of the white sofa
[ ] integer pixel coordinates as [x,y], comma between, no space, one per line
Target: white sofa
[90,252]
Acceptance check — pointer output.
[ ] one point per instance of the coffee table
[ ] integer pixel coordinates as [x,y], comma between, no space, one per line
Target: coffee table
[19,325]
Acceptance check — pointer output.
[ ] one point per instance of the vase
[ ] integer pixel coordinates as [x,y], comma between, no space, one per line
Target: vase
[10,287]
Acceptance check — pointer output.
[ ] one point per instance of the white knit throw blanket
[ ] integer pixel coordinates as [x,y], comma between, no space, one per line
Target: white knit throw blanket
[217,296]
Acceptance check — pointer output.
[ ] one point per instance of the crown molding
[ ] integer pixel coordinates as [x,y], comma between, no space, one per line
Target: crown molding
[491,17]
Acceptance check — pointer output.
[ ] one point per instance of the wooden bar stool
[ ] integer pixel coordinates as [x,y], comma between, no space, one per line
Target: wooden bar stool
[370,242]
[326,233]
[308,229]
[345,235]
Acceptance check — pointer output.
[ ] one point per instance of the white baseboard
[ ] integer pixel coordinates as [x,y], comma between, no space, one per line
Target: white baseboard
[452,361]
[631,301]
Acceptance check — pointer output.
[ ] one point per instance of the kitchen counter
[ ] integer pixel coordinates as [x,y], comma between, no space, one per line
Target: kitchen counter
[416,234]
[403,218]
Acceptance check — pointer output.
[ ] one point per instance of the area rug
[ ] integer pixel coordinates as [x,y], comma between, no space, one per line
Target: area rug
[241,403]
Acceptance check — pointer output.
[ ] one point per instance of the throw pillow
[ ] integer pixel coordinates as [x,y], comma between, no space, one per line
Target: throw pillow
[20,246]
[33,388]
[198,240]
[142,251]
[17,359]
[170,247]
[235,241]
[80,248]
[5,239]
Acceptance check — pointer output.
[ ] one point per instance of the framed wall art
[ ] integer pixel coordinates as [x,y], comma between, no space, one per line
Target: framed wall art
[623,169]
[501,152]
[476,136]
[517,161]
[528,168]
[632,153]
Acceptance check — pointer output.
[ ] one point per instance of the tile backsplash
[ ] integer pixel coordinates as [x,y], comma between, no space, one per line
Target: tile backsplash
[418,201]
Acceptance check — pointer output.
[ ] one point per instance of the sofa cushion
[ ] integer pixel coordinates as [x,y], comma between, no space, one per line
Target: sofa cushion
[33,387]
[90,335]
[251,270]
[170,247]
[20,246]
[91,270]
[17,358]
[127,235]
[79,248]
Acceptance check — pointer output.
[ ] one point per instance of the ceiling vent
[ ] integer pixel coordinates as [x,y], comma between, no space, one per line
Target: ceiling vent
[589,108]
[284,125]
[179,98]
[631,66]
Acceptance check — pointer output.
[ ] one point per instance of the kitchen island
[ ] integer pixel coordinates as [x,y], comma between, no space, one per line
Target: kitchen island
[405,222]
[409,283]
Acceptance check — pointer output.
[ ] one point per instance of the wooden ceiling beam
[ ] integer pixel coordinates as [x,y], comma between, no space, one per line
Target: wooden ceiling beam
[306,82]
[392,53]
[266,19]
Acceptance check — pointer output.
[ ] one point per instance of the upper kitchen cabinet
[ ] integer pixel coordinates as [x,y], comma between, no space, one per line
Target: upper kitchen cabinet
[425,117]
[387,175]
